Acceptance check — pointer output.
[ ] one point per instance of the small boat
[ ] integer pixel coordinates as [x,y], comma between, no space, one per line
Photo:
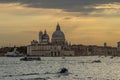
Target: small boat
[96,61]
[63,71]
[30,59]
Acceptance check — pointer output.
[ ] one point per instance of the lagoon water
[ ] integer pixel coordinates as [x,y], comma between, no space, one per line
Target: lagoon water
[80,68]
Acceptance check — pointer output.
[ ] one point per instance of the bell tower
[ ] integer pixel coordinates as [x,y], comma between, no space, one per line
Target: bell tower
[40,36]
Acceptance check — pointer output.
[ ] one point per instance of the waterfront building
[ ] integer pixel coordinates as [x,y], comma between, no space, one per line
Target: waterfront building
[57,47]
[93,50]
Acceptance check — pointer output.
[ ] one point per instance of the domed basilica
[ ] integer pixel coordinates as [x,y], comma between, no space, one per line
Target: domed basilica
[58,37]
[58,46]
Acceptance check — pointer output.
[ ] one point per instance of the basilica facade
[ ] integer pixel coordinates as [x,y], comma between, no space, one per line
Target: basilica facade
[57,46]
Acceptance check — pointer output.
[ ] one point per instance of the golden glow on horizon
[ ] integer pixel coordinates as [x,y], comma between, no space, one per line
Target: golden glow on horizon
[19,22]
[109,6]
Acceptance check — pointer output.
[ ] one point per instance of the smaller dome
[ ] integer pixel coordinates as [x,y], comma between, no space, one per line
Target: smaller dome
[45,35]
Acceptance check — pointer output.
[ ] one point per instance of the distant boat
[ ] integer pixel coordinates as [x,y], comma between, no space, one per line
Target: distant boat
[30,58]
[96,61]
[14,53]
[63,71]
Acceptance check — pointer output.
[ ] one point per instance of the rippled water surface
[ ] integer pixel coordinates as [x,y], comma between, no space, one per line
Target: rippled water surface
[80,68]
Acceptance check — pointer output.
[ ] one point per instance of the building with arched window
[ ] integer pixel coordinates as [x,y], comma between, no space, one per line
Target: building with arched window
[57,47]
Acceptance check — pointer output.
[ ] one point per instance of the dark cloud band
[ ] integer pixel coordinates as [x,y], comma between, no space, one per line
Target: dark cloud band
[66,5]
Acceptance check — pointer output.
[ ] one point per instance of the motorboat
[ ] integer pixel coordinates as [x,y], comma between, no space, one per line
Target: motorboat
[29,58]
[96,61]
[63,71]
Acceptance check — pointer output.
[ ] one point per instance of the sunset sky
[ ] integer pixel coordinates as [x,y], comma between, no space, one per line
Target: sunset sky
[83,21]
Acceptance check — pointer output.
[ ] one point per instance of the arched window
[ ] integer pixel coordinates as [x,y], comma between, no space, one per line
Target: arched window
[51,53]
[58,53]
[55,54]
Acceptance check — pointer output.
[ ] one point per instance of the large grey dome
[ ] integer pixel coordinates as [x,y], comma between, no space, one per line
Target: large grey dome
[58,34]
